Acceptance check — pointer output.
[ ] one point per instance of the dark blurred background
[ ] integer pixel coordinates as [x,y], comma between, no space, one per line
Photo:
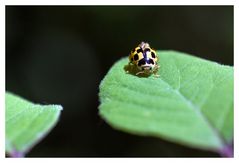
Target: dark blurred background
[59,55]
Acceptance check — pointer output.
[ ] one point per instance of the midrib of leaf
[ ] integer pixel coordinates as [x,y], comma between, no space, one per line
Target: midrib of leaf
[198,112]
[201,115]
[196,108]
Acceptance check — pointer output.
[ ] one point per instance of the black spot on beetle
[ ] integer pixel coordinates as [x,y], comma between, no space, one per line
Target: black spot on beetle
[153,54]
[141,62]
[139,50]
[150,61]
[136,57]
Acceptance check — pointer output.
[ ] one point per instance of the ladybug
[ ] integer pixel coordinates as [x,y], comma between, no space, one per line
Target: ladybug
[145,59]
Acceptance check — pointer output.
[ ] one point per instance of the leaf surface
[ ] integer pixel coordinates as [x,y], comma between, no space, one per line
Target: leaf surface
[27,123]
[191,103]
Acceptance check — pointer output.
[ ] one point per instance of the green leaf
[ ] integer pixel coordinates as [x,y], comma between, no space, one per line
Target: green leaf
[191,103]
[27,123]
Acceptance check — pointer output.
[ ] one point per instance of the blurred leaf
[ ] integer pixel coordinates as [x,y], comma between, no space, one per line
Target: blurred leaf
[27,123]
[191,103]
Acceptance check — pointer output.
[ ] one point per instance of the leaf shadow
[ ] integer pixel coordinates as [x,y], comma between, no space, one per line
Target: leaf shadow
[133,70]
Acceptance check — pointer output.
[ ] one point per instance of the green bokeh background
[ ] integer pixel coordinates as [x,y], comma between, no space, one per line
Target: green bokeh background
[59,55]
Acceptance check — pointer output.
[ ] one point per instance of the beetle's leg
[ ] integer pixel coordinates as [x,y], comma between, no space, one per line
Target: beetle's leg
[140,72]
[156,68]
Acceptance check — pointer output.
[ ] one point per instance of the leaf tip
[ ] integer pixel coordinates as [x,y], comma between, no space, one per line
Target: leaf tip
[58,107]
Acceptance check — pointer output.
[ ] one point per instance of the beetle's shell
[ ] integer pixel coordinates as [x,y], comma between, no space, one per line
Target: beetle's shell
[143,56]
